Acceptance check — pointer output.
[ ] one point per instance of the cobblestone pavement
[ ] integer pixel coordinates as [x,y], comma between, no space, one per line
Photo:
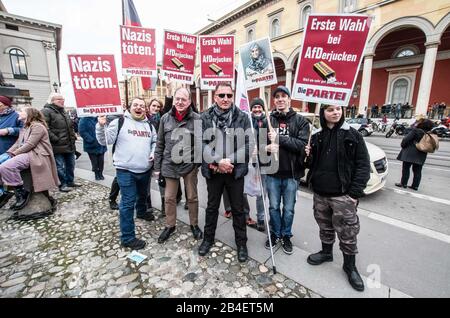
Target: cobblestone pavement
[76,253]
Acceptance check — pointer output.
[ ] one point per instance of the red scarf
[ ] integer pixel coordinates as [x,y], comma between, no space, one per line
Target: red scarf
[180,116]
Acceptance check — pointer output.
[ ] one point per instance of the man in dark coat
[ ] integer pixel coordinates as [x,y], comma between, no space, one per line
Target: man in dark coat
[226,145]
[179,121]
[62,138]
[91,146]
[339,172]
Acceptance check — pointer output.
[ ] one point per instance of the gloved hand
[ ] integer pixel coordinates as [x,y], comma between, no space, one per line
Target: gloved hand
[4,157]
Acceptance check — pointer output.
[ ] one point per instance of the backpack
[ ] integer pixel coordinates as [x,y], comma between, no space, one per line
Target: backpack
[428,143]
[121,121]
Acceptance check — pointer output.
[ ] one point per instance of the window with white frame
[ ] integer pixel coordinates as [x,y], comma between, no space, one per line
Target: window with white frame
[348,6]
[18,63]
[275,28]
[405,52]
[306,11]
[400,91]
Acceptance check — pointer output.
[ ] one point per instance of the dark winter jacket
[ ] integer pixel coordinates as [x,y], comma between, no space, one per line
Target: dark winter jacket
[9,120]
[86,127]
[184,139]
[239,155]
[409,152]
[353,162]
[293,133]
[60,129]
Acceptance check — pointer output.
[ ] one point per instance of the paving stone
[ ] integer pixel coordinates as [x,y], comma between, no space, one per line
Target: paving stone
[75,253]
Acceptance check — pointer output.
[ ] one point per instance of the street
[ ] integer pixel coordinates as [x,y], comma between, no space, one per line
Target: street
[405,235]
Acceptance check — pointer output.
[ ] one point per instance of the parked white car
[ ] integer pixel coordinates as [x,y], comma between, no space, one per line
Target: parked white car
[378,162]
[362,125]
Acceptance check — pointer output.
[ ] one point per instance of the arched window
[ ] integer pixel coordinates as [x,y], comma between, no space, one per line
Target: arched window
[18,64]
[405,53]
[250,35]
[305,13]
[275,28]
[400,91]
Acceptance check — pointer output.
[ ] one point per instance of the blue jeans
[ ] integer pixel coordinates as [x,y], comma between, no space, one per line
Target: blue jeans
[134,191]
[65,164]
[277,188]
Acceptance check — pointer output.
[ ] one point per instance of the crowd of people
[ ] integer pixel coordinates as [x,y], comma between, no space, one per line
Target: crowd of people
[171,141]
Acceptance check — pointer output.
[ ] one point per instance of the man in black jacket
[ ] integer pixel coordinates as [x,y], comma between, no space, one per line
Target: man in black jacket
[340,170]
[62,137]
[288,139]
[226,145]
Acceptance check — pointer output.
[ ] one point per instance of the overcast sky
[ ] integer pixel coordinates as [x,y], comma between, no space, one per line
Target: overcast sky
[92,26]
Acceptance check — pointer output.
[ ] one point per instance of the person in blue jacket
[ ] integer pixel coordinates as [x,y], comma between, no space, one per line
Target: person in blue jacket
[96,152]
[10,124]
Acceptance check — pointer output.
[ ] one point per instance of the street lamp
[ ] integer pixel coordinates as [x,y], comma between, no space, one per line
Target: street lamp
[55,87]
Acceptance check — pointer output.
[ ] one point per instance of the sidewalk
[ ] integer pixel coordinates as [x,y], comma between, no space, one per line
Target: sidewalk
[76,253]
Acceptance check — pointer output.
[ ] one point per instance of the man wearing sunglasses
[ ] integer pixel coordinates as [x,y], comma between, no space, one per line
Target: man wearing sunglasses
[226,138]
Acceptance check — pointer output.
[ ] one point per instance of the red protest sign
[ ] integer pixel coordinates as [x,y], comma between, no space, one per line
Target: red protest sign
[331,54]
[216,60]
[95,85]
[138,51]
[179,56]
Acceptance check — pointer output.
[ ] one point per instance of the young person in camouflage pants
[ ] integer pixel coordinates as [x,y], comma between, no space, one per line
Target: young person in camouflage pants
[339,171]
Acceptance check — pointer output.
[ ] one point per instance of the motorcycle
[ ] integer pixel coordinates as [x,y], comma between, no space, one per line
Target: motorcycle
[399,129]
[441,131]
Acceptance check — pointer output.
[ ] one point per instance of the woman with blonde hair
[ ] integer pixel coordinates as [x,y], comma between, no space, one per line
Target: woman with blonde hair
[32,150]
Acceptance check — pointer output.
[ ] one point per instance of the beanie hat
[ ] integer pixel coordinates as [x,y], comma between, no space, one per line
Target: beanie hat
[283,89]
[257,101]
[5,100]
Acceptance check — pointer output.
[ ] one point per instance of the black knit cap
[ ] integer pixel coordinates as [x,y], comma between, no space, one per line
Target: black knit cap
[257,101]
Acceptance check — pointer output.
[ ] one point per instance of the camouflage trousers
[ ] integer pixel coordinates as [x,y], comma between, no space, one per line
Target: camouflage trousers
[337,215]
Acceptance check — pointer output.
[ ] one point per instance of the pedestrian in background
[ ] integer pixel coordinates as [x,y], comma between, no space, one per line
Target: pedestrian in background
[411,156]
[91,146]
[9,124]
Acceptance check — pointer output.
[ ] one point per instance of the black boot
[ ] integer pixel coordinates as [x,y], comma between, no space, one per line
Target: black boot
[97,175]
[100,174]
[352,273]
[325,255]
[22,197]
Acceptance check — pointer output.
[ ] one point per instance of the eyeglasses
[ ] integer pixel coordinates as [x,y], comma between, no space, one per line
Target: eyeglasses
[227,95]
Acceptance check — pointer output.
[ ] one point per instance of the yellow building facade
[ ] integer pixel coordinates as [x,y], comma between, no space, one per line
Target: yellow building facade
[407,55]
